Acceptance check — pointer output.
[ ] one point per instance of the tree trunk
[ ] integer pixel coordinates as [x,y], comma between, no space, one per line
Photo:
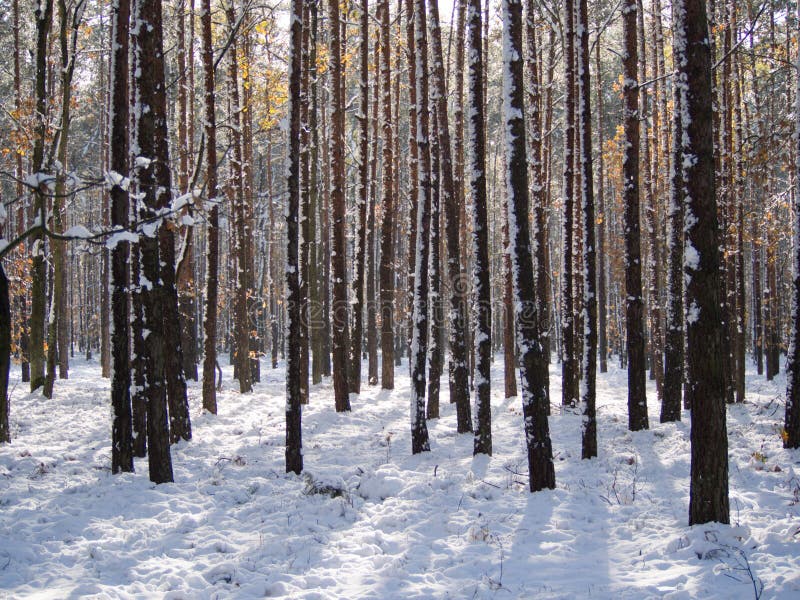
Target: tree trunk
[421,309]
[294,446]
[634,304]
[791,428]
[451,199]
[5,356]
[153,180]
[212,243]
[602,293]
[482,298]
[708,493]
[674,339]
[533,361]
[44,16]
[387,223]
[372,300]
[589,363]
[340,311]
[569,361]
[122,426]
[363,199]
[241,319]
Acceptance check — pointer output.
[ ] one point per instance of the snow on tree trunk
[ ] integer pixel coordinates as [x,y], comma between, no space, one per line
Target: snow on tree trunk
[341,344]
[294,446]
[122,426]
[458,371]
[482,309]
[708,492]
[388,209]
[420,315]
[589,362]
[634,303]
[152,173]
[533,360]
[212,242]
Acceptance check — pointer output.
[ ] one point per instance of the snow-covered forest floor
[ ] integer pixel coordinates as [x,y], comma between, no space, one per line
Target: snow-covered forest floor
[368,520]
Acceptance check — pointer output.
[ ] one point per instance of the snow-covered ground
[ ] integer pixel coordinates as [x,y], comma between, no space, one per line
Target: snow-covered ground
[368,520]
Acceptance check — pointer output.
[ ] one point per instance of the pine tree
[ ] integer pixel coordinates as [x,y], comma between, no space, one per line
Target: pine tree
[420,315]
[589,363]
[708,493]
[388,208]
[122,426]
[294,446]
[533,361]
[153,181]
[341,345]
[482,327]
[458,371]
[791,432]
[634,304]
[212,242]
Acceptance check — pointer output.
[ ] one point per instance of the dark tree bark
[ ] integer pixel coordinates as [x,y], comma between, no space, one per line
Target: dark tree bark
[241,325]
[363,199]
[5,356]
[44,16]
[340,311]
[708,492]
[212,243]
[138,395]
[482,308]
[387,223]
[436,310]
[450,198]
[372,300]
[122,426]
[569,360]
[509,341]
[421,312]
[533,360]
[602,293]
[305,205]
[153,181]
[294,445]
[634,303]
[538,184]
[589,363]
[413,175]
[674,338]
[791,428]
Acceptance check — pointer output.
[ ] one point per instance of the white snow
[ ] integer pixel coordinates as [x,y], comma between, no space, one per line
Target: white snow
[436,525]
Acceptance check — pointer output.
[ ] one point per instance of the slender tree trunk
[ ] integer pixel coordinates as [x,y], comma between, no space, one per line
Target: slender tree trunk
[602,293]
[569,361]
[372,300]
[791,428]
[451,199]
[533,360]
[421,312]
[44,16]
[241,323]
[21,299]
[363,199]
[589,363]
[122,426]
[294,446]
[153,180]
[634,304]
[305,205]
[674,340]
[340,311]
[538,184]
[5,356]
[436,311]
[413,167]
[708,493]
[482,308]
[387,209]
[212,243]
